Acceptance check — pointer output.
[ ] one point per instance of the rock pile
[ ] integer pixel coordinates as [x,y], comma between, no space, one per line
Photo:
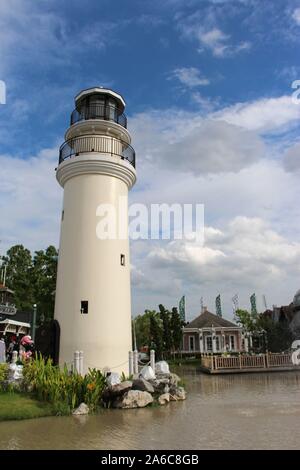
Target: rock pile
[145,388]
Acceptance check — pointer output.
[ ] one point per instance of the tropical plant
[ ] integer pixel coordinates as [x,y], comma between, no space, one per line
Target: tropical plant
[3,375]
[63,389]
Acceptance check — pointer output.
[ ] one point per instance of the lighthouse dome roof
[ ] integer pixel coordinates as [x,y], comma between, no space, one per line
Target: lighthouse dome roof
[101,91]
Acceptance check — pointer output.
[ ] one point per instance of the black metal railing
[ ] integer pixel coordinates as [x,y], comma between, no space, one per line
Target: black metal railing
[100,144]
[99,111]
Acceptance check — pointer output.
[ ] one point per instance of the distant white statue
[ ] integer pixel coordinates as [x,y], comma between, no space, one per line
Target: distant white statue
[295,344]
[296,354]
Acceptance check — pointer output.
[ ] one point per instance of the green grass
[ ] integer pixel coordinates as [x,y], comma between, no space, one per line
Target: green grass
[15,406]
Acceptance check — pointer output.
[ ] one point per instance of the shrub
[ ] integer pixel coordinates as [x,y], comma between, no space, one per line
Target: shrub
[3,375]
[65,390]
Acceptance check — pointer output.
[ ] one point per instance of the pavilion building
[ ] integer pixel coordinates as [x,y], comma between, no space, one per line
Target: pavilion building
[210,333]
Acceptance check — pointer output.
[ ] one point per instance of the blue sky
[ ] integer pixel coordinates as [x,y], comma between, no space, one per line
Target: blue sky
[209,101]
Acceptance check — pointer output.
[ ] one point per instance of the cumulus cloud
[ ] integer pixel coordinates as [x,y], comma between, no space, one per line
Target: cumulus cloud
[189,76]
[263,115]
[210,37]
[296,15]
[215,147]
[195,144]
[30,31]
[218,43]
[30,200]
[246,255]
[292,158]
[245,249]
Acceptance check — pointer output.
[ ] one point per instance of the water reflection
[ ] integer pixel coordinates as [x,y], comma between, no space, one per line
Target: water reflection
[247,411]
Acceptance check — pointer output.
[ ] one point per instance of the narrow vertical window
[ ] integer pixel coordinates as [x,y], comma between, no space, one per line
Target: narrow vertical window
[122,260]
[84,306]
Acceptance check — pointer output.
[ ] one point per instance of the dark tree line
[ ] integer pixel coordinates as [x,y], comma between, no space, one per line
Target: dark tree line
[32,277]
[278,336]
[161,331]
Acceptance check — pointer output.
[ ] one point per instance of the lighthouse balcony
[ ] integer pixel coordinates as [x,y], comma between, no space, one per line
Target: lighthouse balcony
[101,111]
[100,144]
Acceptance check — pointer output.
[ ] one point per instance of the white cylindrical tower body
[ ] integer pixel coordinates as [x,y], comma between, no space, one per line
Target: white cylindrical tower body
[96,170]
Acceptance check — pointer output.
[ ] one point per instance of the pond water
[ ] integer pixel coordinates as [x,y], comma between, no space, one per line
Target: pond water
[247,411]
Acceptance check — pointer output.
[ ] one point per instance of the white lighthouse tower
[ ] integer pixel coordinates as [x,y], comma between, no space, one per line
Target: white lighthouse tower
[96,169]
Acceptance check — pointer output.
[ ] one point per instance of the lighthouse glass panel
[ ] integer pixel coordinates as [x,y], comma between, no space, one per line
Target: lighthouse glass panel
[96,107]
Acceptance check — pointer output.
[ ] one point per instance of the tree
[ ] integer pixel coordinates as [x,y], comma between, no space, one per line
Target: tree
[247,320]
[167,332]
[176,327]
[278,334]
[156,335]
[142,328]
[33,280]
[44,280]
[19,276]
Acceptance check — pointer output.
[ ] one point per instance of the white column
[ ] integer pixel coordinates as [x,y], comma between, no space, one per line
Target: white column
[80,359]
[241,336]
[135,362]
[76,361]
[246,342]
[201,346]
[130,357]
[213,334]
[152,359]
[223,342]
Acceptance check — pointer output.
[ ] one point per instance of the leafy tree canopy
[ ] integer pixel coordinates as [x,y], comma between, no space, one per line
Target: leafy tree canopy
[32,278]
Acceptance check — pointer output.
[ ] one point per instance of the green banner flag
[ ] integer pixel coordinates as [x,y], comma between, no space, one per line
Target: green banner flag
[253,304]
[182,308]
[218,305]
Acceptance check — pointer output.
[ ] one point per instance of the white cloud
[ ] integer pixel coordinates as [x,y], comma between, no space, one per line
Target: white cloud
[30,200]
[263,115]
[296,15]
[210,37]
[218,43]
[292,158]
[215,147]
[31,32]
[245,249]
[190,143]
[246,256]
[190,77]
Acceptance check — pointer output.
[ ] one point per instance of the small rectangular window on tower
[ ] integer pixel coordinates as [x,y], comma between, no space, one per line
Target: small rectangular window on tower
[122,260]
[84,306]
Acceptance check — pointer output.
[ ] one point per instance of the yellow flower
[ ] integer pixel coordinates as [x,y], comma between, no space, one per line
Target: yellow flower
[91,386]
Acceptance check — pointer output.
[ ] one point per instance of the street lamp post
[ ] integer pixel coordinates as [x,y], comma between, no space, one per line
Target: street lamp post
[34,321]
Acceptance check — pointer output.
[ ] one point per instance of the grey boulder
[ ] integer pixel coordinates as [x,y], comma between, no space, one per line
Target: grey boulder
[134,399]
[82,409]
[164,399]
[142,385]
